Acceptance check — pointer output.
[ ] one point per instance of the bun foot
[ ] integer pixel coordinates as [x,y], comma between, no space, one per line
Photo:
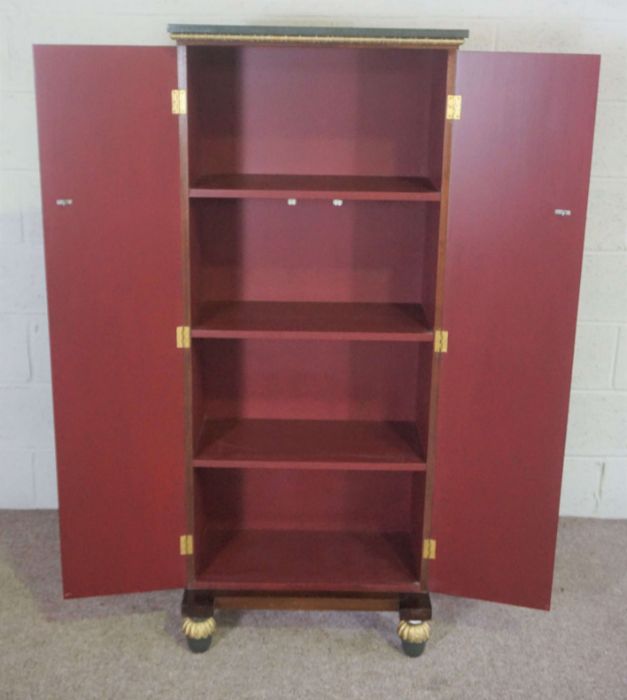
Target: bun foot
[414,635]
[198,632]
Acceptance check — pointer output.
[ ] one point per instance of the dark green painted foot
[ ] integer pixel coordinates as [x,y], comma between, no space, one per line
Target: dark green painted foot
[198,646]
[413,649]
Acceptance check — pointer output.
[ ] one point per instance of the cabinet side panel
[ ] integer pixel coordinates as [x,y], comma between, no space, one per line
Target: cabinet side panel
[108,142]
[521,152]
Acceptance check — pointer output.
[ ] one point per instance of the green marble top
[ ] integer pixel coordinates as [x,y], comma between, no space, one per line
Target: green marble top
[220,32]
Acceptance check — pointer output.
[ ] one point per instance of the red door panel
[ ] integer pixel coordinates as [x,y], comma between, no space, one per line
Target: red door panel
[521,151]
[108,142]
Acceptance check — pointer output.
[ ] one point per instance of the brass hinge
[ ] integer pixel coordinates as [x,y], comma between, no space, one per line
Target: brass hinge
[454,107]
[428,549]
[187,545]
[179,101]
[182,336]
[440,341]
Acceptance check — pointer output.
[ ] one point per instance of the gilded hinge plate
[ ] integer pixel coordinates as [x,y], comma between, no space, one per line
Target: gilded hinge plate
[187,545]
[428,549]
[182,336]
[440,341]
[454,107]
[179,101]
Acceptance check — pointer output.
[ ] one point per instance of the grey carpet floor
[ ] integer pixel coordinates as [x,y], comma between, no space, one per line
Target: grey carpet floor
[130,647]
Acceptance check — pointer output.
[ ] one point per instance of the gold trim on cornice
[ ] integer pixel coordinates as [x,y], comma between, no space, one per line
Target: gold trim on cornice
[323,39]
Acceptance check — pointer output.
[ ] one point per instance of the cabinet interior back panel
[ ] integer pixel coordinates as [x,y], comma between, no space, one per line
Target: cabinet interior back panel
[314,111]
[305,380]
[254,250]
[306,500]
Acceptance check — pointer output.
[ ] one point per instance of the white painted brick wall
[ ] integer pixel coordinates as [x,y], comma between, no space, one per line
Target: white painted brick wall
[595,476]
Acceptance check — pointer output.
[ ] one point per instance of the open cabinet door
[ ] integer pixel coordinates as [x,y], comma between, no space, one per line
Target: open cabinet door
[520,170]
[112,217]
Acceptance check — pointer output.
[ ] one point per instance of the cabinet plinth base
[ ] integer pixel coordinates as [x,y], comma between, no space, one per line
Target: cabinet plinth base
[199,604]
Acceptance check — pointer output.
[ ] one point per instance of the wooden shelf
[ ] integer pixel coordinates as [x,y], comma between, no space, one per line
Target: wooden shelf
[304,444]
[298,560]
[312,321]
[363,187]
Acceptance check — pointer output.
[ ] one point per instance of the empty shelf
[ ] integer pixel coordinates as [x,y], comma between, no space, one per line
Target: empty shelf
[313,321]
[307,560]
[310,444]
[316,187]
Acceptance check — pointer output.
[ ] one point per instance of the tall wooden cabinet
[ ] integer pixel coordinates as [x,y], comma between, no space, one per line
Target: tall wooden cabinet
[312,333]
